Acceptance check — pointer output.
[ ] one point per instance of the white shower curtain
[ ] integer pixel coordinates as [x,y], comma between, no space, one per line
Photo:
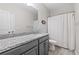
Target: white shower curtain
[61,29]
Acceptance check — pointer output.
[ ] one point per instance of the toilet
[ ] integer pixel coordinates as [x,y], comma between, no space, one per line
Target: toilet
[52,44]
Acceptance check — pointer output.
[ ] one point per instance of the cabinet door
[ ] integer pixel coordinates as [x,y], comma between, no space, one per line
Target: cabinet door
[33,51]
[43,48]
[46,47]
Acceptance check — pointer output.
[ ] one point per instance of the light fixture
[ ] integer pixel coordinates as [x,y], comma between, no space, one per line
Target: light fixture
[30,4]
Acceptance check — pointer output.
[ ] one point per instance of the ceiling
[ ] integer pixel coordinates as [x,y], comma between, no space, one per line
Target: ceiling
[54,6]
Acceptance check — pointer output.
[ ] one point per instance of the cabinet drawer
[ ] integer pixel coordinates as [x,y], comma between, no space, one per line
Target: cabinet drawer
[43,39]
[21,49]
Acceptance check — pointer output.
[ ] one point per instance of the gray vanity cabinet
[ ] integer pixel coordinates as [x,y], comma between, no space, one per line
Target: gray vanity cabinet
[43,46]
[33,51]
[46,47]
[38,46]
[21,49]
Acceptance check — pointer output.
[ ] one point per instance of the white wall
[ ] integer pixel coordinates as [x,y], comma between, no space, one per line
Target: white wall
[43,14]
[62,10]
[23,16]
[77,27]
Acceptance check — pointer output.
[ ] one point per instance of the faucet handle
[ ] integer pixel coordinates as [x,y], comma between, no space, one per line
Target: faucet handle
[9,32]
[12,32]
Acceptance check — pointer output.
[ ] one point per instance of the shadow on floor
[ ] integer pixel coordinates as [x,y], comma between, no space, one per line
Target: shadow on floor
[60,51]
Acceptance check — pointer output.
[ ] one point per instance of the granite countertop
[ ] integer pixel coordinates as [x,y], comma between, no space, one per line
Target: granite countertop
[8,43]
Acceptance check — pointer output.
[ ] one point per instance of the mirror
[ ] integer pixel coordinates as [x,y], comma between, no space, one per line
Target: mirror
[33,9]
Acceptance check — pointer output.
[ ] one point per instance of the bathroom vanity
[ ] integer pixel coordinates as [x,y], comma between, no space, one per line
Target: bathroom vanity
[34,44]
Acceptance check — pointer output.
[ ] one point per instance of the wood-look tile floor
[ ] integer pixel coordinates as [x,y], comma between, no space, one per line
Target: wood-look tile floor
[61,51]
